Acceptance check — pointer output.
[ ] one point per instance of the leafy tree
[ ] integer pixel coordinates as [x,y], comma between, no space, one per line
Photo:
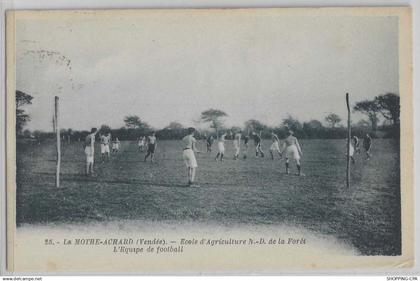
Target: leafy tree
[370,109]
[62,133]
[105,129]
[134,122]
[67,134]
[234,129]
[313,124]
[332,119]
[22,118]
[27,133]
[253,125]
[389,107]
[174,130]
[174,126]
[214,117]
[361,128]
[292,124]
[313,129]
[22,99]
[37,134]
[363,123]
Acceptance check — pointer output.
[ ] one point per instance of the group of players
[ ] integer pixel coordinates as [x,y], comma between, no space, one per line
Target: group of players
[291,148]
[354,147]
[106,140]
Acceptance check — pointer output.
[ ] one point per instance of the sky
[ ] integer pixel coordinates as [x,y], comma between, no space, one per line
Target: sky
[170,66]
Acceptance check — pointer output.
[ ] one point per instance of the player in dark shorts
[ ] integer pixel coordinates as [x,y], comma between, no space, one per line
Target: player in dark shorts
[209,142]
[367,144]
[246,140]
[151,147]
[257,142]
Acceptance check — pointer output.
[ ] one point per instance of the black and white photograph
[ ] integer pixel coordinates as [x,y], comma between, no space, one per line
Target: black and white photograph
[210,140]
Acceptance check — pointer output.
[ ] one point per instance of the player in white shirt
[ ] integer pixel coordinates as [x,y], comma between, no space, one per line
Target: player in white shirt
[188,154]
[151,147]
[293,150]
[275,147]
[221,147]
[89,147]
[105,146]
[237,144]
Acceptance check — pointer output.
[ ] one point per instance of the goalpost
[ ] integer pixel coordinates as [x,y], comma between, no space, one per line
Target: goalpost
[348,141]
[58,139]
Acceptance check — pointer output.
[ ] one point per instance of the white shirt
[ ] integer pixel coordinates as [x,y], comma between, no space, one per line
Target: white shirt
[188,141]
[290,140]
[104,140]
[90,140]
[152,139]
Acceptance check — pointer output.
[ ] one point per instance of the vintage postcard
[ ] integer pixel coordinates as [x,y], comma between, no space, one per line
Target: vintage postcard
[208,141]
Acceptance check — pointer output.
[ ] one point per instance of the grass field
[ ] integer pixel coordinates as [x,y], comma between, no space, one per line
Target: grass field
[254,191]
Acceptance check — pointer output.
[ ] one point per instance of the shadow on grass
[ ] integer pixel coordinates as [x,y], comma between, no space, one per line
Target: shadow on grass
[76,177]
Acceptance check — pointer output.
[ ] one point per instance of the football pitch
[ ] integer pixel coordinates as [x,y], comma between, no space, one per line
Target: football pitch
[255,191]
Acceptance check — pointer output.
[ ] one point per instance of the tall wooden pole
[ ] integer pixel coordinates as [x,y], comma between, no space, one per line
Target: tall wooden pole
[57,131]
[348,140]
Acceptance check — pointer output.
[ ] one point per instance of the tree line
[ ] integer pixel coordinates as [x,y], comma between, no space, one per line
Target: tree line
[386,106]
